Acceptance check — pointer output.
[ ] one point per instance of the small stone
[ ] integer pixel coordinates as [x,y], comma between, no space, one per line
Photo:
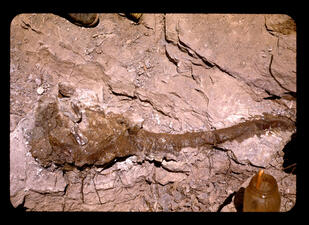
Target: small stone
[38,81]
[40,90]
[66,89]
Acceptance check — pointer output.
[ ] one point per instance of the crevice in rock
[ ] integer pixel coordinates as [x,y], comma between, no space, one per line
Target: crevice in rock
[184,48]
[271,74]
[164,32]
[290,151]
[82,190]
[96,190]
[175,94]
[27,26]
[182,45]
[121,94]
[290,95]
[256,166]
[210,64]
[207,63]
[21,208]
[46,193]
[170,58]
[175,171]
[153,106]
[252,84]
[156,163]
[113,162]
[269,30]
[65,189]
[202,94]
[231,74]
[271,96]
[230,154]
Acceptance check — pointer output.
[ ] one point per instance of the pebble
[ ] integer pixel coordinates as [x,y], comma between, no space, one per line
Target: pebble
[38,81]
[40,90]
[66,89]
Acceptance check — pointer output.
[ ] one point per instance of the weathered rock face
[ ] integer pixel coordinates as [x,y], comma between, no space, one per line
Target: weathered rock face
[148,116]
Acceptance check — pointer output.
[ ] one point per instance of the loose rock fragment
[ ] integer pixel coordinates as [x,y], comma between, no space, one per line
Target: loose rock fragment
[66,89]
[40,90]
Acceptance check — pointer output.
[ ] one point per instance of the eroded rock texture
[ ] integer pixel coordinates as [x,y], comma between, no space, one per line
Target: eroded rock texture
[174,113]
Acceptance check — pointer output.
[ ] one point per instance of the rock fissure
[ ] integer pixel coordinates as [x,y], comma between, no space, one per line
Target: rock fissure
[185,48]
[271,73]
[96,191]
[152,105]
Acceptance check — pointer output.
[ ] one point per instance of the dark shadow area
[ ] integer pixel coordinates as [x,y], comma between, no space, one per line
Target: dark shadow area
[289,163]
[131,17]
[272,97]
[20,208]
[111,163]
[70,166]
[227,201]
[239,199]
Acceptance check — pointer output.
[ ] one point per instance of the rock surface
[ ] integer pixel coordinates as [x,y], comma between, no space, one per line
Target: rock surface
[172,73]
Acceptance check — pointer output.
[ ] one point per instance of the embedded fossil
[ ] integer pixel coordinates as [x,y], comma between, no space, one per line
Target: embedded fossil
[98,138]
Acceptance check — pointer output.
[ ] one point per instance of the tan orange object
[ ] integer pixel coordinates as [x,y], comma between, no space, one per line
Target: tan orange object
[259,180]
[262,194]
[84,19]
